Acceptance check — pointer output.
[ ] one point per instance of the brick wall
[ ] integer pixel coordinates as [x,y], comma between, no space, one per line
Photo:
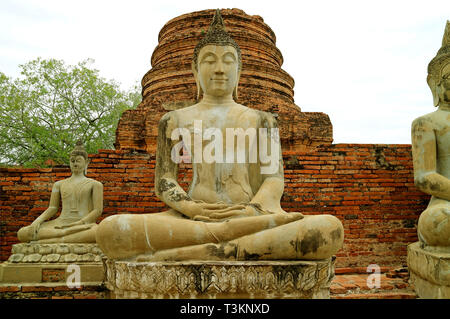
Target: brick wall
[368,187]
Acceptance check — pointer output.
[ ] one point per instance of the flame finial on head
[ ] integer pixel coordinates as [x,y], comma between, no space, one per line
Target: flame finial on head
[217,35]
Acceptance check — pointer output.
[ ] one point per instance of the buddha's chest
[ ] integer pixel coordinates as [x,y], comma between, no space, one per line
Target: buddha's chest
[76,194]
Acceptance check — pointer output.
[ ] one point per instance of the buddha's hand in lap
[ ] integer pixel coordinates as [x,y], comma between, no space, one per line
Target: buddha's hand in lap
[239,211]
[195,208]
[77,223]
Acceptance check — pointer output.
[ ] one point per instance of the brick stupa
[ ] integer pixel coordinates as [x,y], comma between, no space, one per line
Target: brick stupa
[263,85]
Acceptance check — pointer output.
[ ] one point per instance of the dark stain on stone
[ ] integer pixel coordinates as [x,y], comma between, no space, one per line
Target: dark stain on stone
[176,196]
[202,277]
[249,256]
[296,272]
[163,163]
[336,234]
[219,250]
[311,242]
[426,184]
[165,185]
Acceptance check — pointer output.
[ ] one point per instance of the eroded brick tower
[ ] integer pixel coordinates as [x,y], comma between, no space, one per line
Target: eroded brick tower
[263,84]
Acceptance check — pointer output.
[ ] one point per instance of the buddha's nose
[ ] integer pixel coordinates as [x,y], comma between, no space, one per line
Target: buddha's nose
[219,67]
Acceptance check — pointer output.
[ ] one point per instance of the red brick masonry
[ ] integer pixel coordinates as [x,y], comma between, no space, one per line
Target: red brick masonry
[370,188]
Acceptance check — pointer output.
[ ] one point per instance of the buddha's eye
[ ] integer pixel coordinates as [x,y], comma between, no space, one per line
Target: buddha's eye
[228,59]
[209,60]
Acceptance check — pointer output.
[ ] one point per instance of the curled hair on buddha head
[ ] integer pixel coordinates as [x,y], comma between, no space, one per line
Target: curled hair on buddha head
[436,65]
[216,35]
[79,150]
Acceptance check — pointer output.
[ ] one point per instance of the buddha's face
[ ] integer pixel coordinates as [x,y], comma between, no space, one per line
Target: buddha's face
[444,85]
[218,70]
[78,164]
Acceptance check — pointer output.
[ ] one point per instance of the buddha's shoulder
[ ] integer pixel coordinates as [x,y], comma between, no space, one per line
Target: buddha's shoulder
[94,182]
[430,120]
[176,115]
[262,116]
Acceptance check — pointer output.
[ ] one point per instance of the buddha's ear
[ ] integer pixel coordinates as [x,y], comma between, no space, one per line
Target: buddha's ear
[88,161]
[197,82]
[235,92]
[434,89]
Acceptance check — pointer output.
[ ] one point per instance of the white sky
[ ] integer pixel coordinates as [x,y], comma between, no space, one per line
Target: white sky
[364,63]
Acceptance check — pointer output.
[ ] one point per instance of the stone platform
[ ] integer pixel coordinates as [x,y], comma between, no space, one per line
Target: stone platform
[32,263]
[220,279]
[429,272]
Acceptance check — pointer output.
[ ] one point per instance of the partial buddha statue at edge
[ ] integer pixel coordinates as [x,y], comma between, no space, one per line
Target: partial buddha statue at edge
[430,136]
[232,209]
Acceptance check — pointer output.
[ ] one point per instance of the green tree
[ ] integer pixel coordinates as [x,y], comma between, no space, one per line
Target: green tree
[52,105]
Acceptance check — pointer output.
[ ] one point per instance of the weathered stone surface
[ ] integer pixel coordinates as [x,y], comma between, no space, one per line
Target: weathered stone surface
[53,258]
[70,258]
[15,258]
[52,253]
[62,249]
[32,258]
[429,272]
[80,249]
[261,279]
[45,249]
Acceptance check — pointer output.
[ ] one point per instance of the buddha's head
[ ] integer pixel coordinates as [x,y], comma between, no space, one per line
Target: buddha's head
[439,71]
[79,159]
[217,61]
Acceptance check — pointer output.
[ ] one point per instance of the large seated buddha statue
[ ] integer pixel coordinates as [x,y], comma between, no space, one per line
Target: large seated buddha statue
[82,204]
[431,154]
[232,208]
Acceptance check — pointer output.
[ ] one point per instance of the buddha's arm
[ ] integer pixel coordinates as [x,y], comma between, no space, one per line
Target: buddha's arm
[269,195]
[271,190]
[97,201]
[166,186]
[424,151]
[55,199]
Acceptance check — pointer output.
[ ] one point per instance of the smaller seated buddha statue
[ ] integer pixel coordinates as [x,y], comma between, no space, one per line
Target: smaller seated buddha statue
[431,154]
[82,204]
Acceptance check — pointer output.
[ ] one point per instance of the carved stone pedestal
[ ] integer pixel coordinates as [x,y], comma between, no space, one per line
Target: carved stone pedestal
[429,272]
[48,264]
[220,279]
